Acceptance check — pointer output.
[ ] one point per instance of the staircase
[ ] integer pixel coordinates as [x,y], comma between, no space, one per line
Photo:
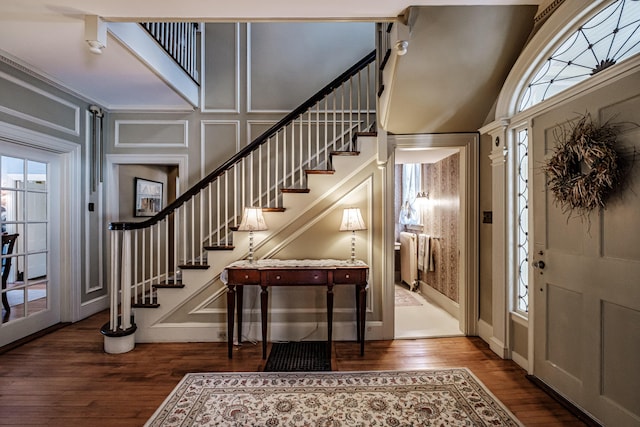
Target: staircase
[167,268]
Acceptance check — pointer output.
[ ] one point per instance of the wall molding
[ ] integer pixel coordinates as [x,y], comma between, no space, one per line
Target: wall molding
[203,140]
[88,163]
[151,145]
[250,123]
[237,73]
[75,109]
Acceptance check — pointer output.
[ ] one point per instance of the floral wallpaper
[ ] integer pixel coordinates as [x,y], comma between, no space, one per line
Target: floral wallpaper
[440,216]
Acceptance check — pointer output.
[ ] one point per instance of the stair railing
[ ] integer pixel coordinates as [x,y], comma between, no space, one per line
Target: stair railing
[150,254]
[178,39]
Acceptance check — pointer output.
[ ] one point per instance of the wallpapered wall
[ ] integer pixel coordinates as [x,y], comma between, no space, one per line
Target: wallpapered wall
[440,217]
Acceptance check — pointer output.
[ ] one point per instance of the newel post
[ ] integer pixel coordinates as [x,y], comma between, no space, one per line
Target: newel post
[119,332]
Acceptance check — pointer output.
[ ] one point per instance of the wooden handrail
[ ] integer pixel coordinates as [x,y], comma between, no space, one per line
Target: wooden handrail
[368,59]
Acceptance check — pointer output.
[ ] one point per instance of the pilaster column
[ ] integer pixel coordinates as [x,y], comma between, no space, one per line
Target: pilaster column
[500,238]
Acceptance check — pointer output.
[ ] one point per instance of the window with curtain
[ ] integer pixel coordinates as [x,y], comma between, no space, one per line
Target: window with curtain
[411,178]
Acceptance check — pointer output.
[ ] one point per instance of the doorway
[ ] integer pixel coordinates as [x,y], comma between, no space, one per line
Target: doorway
[427,210]
[30,182]
[444,229]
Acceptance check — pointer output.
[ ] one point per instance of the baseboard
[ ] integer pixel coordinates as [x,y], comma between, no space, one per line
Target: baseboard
[485,331]
[217,332]
[93,306]
[522,361]
[570,406]
[450,306]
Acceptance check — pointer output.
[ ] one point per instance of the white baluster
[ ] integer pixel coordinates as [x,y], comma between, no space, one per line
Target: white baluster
[126,280]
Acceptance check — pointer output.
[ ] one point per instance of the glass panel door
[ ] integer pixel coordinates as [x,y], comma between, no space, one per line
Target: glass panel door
[24,222]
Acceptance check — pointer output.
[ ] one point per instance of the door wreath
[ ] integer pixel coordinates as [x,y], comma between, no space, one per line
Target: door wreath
[585,167]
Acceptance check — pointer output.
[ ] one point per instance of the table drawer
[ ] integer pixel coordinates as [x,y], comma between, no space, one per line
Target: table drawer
[350,276]
[296,277]
[244,277]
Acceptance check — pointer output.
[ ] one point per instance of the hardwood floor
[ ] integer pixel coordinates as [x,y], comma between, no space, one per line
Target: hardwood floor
[65,378]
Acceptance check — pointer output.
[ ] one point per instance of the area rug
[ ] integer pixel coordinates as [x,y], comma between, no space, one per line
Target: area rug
[405,298]
[446,397]
[301,356]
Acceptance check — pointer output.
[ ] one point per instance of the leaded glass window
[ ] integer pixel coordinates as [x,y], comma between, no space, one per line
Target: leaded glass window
[610,36]
[522,222]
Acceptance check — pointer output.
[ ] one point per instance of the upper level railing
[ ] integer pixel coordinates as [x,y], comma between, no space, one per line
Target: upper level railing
[384,51]
[178,39]
[149,253]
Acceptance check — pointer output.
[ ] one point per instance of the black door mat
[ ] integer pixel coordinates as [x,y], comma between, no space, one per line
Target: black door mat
[301,356]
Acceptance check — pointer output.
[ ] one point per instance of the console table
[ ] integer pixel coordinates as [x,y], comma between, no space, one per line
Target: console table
[273,272]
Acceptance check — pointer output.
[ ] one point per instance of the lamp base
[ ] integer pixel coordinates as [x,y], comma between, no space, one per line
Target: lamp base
[353,247]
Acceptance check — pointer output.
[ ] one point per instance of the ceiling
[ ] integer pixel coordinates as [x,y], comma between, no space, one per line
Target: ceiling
[47,36]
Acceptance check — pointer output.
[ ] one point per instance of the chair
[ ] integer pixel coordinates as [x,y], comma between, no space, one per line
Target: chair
[8,242]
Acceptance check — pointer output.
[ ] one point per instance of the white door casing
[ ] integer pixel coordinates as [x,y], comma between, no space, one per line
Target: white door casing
[469,218]
[63,160]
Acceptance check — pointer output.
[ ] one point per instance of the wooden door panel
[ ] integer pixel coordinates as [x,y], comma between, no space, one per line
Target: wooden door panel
[564,308]
[587,298]
[620,373]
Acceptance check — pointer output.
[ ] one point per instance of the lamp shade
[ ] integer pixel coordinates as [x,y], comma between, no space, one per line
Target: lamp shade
[352,220]
[252,220]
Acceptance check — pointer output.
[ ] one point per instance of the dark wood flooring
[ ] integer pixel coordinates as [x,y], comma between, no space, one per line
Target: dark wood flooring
[65,379]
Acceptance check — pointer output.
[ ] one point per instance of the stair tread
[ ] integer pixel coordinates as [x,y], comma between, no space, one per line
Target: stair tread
[219,247]
[295,190]
[275,209]
[345,153]
[145,304]
[190,266]
[319,171]
[169,285]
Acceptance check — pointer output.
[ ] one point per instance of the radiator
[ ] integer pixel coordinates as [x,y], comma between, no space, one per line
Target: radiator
[409,259]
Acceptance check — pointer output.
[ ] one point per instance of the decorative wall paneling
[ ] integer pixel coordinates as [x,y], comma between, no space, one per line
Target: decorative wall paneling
[221,68]
[94,217]
[151,134]
[278,86]
[54,113]
[219,140]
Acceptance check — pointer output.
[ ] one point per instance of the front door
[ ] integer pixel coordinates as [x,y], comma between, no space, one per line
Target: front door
[586,295]
[30,214]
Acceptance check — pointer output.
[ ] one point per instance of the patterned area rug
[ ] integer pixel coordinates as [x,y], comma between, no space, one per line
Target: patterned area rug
[405,298]
[451,397]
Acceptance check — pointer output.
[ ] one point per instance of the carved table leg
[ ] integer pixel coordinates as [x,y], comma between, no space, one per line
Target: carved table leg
[357,288]
[264,299]
[231,301]
[329,318]
[239,305]
[362,297]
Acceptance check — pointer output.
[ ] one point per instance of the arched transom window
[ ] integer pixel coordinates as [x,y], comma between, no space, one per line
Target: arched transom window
[610,36]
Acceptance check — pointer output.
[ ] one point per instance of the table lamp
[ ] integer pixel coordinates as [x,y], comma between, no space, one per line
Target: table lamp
[252,220]
[352,221]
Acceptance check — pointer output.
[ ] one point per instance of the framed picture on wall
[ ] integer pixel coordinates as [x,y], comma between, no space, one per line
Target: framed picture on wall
[148,196]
